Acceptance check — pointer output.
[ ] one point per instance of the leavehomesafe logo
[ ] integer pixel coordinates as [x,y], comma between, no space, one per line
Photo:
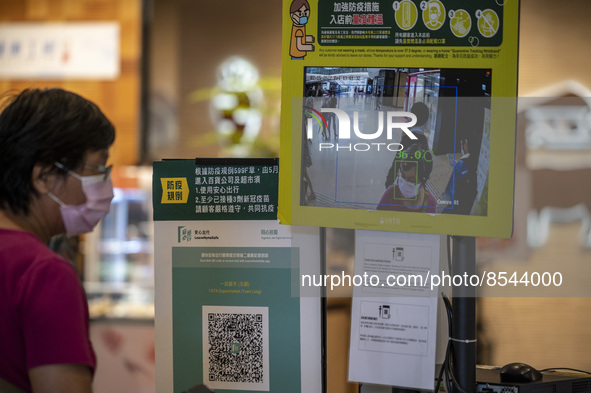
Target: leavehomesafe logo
[185,234]
[394,120]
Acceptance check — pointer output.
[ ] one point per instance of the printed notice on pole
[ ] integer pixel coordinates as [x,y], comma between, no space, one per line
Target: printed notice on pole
[395,325]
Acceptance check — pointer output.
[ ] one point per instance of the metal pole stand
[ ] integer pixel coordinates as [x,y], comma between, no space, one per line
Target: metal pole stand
[463,333]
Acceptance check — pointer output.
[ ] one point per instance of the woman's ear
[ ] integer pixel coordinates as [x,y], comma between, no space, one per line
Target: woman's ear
[42,178]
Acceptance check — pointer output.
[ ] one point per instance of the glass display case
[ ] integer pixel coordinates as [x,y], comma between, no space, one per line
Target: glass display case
[119,257]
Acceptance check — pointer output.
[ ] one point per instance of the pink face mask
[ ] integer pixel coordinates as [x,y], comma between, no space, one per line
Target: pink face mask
[83,218]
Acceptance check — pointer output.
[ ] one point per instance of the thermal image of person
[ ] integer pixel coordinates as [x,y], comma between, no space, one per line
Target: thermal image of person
[300,43]
[409,193]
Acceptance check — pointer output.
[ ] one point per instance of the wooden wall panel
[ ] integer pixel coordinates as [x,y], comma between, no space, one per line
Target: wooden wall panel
[554,44]
[118,99]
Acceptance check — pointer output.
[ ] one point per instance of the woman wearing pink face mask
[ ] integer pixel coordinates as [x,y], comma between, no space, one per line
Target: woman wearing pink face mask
[54,147]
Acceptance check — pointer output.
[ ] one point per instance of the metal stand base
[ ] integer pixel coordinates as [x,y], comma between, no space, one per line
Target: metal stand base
[464,315]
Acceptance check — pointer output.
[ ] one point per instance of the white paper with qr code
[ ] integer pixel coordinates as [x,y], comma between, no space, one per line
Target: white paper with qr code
[245,332]
[394,312]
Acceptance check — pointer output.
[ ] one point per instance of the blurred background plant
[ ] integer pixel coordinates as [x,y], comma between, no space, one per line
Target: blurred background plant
[244,110]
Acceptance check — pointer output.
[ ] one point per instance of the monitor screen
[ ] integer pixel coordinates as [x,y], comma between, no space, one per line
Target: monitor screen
[399,116]
[360,150]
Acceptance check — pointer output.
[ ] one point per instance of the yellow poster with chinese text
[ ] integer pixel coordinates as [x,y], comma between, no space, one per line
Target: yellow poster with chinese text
[399,115]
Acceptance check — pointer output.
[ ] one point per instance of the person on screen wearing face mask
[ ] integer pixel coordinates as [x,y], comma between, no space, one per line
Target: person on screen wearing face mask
[54,147]
[408,193]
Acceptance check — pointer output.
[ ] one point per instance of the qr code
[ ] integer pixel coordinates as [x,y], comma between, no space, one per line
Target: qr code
[236,346]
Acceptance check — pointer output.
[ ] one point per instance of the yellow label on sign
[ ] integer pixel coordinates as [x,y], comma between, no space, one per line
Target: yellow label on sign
[174,190]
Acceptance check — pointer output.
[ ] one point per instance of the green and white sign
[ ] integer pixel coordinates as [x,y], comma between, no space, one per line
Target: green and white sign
[228,310]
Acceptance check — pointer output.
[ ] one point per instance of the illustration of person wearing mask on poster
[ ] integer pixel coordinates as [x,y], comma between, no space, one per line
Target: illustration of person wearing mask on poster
[433,15]
[300,44]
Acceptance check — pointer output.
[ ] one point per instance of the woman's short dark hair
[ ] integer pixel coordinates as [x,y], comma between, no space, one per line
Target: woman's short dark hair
[43,127]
